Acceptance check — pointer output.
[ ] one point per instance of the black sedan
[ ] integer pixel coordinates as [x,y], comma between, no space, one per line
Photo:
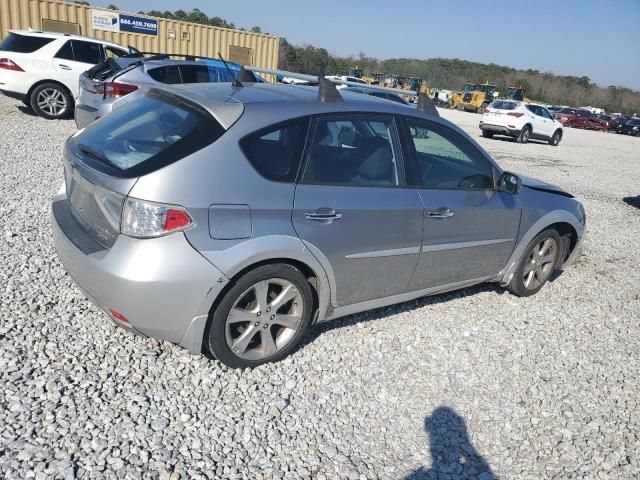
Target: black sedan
[632,127]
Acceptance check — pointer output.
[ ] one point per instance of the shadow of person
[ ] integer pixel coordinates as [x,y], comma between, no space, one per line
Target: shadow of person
[452,454]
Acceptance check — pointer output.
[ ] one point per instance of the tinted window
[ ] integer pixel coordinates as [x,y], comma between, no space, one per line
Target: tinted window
[275,151]
[66,51]
[145,135]
[359,151]
[87,52]
[534,109]
[23,43]
[446,160]
[169,75]
[545,113]
[194,73]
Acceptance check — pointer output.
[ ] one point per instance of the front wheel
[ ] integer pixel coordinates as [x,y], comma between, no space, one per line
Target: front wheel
[555,138]
[261,318]
[525,133]
[539,261]
[51,101]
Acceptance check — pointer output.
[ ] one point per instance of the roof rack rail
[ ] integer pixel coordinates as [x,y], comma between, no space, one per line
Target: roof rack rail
[425,104]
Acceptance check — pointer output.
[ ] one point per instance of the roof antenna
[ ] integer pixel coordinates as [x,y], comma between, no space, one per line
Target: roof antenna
[426,105]
[327,91]
[236,82]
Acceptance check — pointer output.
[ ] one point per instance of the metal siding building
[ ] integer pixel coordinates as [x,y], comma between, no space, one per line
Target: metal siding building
[172,36]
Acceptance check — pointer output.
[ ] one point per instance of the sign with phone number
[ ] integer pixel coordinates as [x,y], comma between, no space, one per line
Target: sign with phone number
[129,23]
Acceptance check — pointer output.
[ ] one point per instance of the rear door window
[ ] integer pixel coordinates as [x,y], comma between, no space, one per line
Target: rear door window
[87,52]
[145,135]
[354,151]
[275,151]
[66,51]
[23,43]
[169,75]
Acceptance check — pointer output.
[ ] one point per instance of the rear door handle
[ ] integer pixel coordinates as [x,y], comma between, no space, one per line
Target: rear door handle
[323,215]
[64,67]
[441,212]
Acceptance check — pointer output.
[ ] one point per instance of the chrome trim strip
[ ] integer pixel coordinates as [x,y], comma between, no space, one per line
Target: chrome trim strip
[386,253]
[452,246]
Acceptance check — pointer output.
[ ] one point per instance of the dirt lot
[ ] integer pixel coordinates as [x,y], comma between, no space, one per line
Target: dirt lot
[471,383]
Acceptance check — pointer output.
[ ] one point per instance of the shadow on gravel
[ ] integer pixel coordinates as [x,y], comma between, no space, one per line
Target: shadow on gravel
[513,140]
[452,454]
[383,312]
[633,201]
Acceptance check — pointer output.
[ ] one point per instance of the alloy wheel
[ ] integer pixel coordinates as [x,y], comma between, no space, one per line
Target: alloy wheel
[540,263]
[51,101]
[264,319]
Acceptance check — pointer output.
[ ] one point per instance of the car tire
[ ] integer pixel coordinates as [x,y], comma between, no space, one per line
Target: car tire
[487,134]
[254,300]
[554,141]
[51,100]
[540,260]
[525,134]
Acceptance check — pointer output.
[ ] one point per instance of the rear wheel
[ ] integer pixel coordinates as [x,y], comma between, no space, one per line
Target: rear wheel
[538,263]
[525,133]
[262,317]
[487,134]
[51,101]
[555,138]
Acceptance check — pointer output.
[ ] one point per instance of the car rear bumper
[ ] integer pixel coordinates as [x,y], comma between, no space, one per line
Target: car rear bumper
[501,129]
[162,286]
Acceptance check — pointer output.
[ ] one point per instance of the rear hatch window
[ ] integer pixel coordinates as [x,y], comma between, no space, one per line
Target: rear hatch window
[503,105]
[145,135]
[23,43]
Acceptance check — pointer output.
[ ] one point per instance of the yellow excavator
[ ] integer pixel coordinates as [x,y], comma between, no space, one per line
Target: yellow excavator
[517,93]
[474,98]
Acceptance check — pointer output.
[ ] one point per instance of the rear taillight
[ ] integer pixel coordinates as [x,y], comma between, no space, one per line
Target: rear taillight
[515,114]
[114,89]
[143,219]
[8,64]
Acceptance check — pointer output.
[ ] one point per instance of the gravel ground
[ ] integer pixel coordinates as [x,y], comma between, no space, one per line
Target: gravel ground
[475,382]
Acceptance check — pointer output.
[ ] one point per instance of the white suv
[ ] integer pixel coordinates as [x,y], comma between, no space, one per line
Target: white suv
[520,120]
[43,69]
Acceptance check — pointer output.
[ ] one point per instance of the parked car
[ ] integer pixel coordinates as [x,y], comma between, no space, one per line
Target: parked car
[377,93]
[42,68]
[616,121]
[577,118]
[631,127]
[108,85]
[520,120]
[177,214]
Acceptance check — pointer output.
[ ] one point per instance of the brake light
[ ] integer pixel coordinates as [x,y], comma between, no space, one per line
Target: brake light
[515,114]
[8,64]
[114,89]
[118,316]
[147,220]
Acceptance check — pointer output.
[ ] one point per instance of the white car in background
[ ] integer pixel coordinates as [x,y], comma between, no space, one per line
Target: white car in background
[522,121]
[43,69]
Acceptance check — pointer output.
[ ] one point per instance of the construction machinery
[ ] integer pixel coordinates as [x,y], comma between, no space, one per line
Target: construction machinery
[475,97]
[517,93]
[374,78]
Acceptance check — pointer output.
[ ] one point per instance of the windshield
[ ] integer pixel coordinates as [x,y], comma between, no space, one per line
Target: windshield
[635,121]
[145,135]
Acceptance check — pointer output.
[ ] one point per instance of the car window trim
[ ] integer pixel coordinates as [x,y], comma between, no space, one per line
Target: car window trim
[399,150]
[413,160]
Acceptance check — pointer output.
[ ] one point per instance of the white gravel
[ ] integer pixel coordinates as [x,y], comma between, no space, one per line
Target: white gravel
[476,382]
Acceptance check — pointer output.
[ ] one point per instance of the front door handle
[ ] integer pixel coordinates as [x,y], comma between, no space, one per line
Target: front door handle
[323,215]
[442,212]
[64,67]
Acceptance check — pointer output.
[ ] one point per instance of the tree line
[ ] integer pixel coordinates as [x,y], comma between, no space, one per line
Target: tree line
[452,74]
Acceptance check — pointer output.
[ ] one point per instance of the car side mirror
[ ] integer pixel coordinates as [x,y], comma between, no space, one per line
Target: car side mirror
[510,183]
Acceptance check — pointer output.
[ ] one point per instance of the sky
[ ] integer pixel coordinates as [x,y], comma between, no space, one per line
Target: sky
[596,38]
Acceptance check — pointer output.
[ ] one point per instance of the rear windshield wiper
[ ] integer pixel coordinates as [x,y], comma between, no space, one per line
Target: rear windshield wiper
[93,154]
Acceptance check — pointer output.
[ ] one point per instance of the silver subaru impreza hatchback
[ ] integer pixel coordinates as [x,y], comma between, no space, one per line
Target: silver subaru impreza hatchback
[229,218]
